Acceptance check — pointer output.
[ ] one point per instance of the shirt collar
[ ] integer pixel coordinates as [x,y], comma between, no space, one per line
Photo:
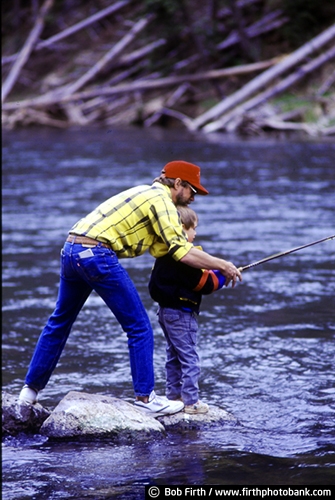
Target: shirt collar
[163,187]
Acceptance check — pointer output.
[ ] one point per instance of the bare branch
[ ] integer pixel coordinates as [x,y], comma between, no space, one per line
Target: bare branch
[55,97]
[111,54]
[273,91]
[73,29]
[26,50]
[267,76]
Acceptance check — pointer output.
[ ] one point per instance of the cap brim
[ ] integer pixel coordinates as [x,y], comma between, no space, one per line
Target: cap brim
[200,189]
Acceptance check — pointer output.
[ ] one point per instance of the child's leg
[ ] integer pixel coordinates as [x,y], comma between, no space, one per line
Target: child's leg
[172,365]
[173,373]
[181,329]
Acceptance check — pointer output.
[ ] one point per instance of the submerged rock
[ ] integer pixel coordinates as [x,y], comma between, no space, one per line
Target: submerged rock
[186,421]
[19,417]
[82,415]
[93,415]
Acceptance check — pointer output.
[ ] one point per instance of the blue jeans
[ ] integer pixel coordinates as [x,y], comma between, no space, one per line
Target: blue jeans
[83,270]
[182,360]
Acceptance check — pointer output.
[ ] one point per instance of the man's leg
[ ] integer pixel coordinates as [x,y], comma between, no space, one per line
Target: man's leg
[121,296]
[72,294]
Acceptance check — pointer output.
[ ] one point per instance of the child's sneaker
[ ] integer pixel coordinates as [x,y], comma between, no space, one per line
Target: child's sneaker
[159,406]
[28,395]
[196,408]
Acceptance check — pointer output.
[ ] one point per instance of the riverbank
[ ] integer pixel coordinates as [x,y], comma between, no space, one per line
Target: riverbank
[125,64]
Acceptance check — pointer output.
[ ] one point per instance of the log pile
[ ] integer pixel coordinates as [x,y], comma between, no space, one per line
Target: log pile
[116,83]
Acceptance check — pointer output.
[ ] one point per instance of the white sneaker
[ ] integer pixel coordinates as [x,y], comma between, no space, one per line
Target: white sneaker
[197,408]
[28,395]
[159,406]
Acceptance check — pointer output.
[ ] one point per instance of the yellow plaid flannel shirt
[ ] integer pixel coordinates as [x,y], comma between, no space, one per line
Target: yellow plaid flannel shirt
[138,219]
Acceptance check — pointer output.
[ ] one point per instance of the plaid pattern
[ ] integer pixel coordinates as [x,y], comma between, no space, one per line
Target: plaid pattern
[139,219]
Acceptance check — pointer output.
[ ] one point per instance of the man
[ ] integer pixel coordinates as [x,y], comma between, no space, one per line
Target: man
[125,225]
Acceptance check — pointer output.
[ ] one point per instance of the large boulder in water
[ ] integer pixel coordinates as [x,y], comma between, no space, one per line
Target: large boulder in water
[93,415]
[82,415]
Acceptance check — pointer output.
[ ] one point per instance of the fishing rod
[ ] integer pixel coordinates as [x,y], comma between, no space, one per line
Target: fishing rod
[286,252]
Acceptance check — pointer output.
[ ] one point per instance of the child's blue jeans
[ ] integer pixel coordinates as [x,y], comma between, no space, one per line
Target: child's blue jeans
[182,360]
[83,270]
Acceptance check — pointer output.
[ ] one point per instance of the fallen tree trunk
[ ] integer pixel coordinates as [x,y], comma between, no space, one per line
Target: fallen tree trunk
[26,50]
[287,126]
[111,54]
[174,80]
[177,115]
[328,131]
[243,36]
[57,97]
[83,24]
[128,59]
[28,116]
[123,75]
[266,77]
[73,29]
[271,92]
[264,25]
[170,102]
[326,85]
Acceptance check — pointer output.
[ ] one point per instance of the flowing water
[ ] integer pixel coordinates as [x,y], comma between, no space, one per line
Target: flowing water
[266,347]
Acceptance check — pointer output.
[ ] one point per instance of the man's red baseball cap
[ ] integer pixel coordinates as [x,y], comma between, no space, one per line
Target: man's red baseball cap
[186,172]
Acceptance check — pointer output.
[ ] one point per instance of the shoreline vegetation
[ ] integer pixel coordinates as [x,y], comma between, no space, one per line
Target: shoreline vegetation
[247,67]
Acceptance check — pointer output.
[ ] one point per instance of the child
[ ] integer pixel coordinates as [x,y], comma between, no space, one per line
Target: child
[178,289]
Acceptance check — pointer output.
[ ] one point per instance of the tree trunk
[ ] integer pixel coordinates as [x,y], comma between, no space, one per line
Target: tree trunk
[263,79]
[273,91]
[26,50]
[247,47]
[82,24]
[57,96]
[111,54]
[73,29]
[264,25]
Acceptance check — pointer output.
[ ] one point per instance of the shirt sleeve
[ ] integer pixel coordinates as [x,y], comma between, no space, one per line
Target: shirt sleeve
[189,278]
[201,280]
[209,282]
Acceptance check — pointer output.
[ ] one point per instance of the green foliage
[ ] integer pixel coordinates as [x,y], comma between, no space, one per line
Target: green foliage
[290,102]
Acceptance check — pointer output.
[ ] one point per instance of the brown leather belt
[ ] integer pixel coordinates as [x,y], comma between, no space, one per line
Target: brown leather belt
[85,240]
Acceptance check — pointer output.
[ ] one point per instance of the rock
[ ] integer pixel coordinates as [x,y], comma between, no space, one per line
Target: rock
[93,415]
[82,415]
[186,421]
[19,417]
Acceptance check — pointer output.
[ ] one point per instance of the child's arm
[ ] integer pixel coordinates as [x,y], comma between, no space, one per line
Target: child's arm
[205,281]
[200,280]
[202,260]
[210,281]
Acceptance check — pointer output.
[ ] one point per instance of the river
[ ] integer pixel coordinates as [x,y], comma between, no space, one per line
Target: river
[266,346]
